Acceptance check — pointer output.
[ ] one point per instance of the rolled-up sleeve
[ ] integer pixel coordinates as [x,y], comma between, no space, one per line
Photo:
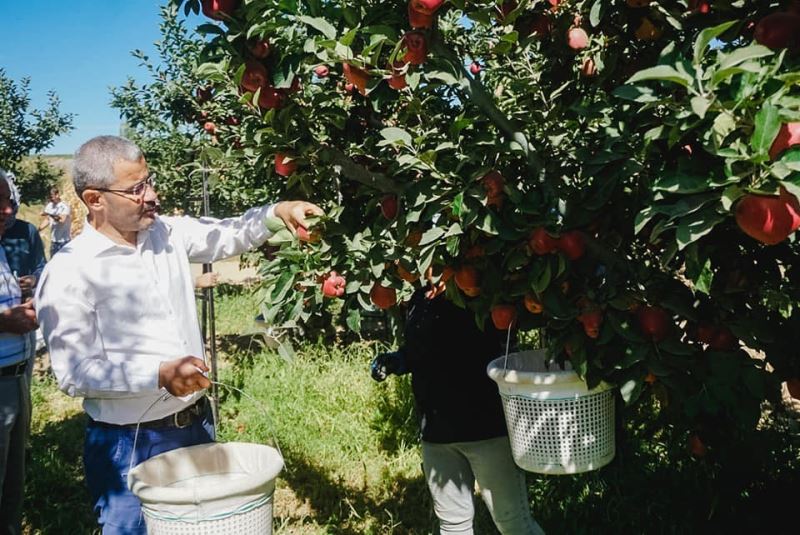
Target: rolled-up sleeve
[208,239]
[79,361]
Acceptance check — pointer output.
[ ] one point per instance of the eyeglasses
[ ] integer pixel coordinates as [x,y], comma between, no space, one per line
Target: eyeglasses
[137,190]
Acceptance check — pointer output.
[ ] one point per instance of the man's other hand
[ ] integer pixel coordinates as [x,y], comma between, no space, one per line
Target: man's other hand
[183,376]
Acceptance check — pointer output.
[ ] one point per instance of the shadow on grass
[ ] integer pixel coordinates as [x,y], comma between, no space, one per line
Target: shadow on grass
[406,510]
[56,499]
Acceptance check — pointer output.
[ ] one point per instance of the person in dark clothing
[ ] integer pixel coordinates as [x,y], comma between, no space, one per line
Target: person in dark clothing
[464,435]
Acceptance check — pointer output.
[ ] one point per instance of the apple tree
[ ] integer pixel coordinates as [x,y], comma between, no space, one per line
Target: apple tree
[619,174]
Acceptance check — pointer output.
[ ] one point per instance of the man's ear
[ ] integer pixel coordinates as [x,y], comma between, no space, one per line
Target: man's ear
[91,198]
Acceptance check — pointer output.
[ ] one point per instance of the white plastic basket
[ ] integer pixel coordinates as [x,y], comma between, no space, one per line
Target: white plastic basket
[209,489]
[556,425]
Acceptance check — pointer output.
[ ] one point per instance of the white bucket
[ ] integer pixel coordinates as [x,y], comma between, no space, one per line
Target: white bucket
[209,489]
[556,425]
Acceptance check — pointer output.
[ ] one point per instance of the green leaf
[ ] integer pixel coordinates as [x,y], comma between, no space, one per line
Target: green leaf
[636,93]
[663,73]
[596,13]
[696,226]
[319,24]
[740,55]
[700,106]
[431,235]
[631,390]
[702,282]
[394,135]
[768,122]
[705,38]
[542,281]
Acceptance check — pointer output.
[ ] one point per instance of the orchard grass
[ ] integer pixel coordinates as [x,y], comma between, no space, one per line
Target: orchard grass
[353,462]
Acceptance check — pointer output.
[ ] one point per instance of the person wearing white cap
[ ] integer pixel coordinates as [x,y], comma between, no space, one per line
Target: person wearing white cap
[21,260]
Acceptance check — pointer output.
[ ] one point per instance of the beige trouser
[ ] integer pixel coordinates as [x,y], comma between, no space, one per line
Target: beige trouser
[451,471]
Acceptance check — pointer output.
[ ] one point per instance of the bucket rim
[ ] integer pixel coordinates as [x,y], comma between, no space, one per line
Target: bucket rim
[501,374]
[249,485]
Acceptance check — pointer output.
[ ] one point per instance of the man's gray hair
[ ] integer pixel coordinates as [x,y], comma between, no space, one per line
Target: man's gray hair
[94,161]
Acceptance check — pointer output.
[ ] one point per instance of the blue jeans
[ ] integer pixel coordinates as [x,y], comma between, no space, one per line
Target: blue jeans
[107,458]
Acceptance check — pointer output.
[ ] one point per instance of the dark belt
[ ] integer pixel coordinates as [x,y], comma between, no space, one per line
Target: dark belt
[179,420]
[14,370]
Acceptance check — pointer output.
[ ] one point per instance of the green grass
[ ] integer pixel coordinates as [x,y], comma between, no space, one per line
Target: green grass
[353,463]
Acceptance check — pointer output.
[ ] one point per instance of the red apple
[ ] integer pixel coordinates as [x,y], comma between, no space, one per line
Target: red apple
[591,320]
[219,9]
[541,242]
[398,81]
[416,48]
[418,19]
[475,68]
[427,7]
[654,322]
[321,71]
[769,219]
[696,447]
[493,182]
[700,6]
[723,340]
[271,98]
[788,136]
[382,296]
[333,285]
[255,76]
[577,38]
[468,280]
[303,234]
[779,30]
[793,385]
[389,206]
[285,165]
[210,127]
[259,48]
[504,316]
[571,244]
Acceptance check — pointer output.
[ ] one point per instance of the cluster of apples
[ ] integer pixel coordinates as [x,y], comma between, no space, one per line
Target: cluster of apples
[571,243]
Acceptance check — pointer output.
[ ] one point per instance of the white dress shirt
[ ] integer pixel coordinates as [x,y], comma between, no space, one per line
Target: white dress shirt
[112,313]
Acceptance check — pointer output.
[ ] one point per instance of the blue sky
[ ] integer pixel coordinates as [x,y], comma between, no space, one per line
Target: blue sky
[78,49]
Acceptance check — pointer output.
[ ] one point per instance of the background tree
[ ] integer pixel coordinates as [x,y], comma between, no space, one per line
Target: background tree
[24,131]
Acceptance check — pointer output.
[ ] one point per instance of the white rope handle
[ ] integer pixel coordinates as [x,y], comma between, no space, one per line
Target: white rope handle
[166,395]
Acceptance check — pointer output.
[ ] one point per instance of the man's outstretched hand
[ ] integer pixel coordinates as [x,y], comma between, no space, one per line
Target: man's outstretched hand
[294,213]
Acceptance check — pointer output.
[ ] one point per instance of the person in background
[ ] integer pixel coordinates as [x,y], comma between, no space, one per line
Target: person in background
[58,217]
[464,434]
[117,308]
[21,260]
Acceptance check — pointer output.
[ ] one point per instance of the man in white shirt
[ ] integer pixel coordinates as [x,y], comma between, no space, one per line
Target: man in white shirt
[59,218]
[117,308]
